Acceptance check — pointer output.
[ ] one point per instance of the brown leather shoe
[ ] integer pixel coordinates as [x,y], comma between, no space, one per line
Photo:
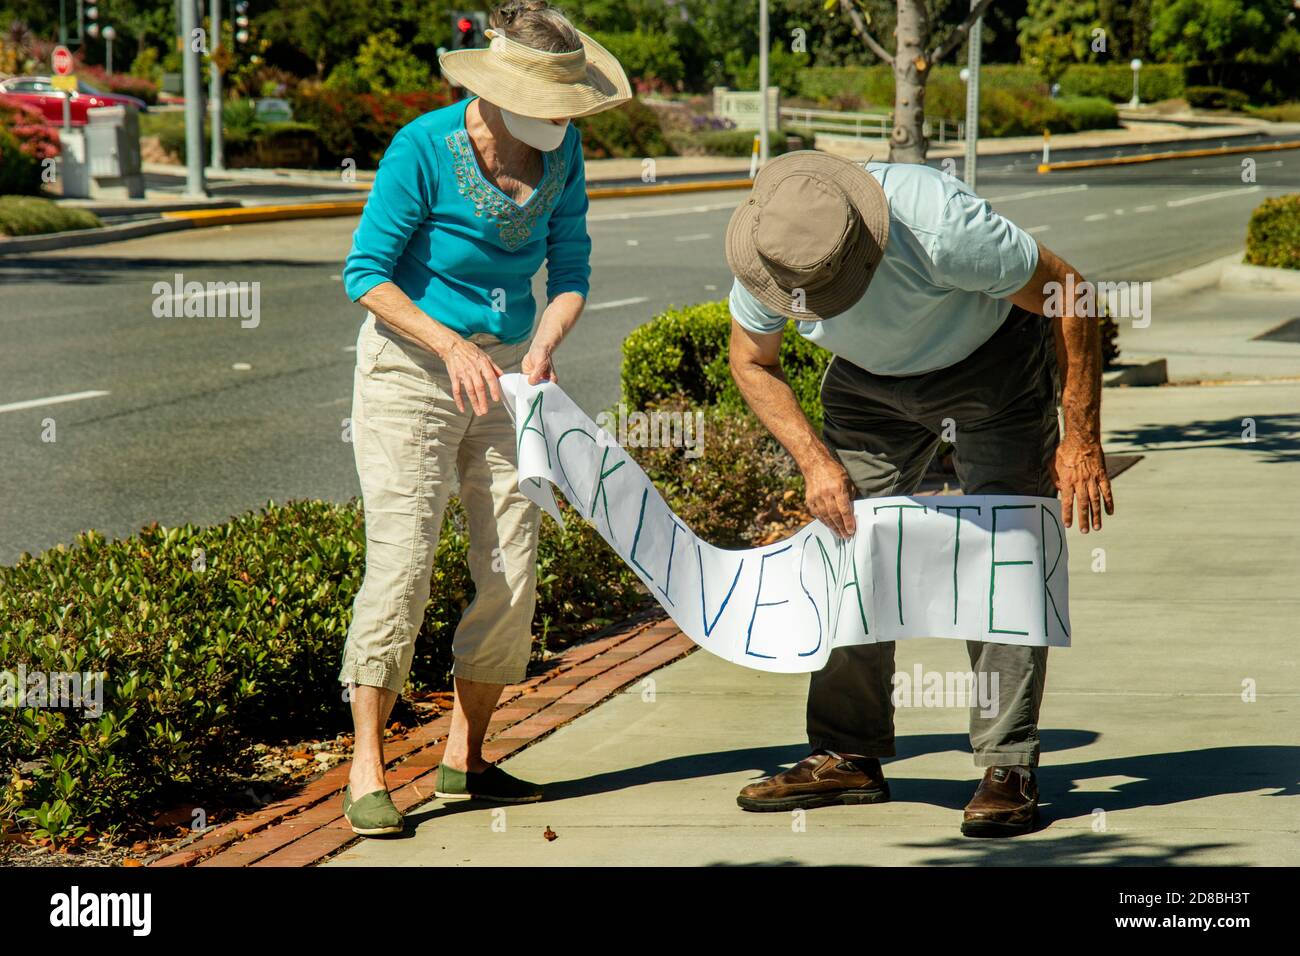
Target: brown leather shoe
[821,779]
[1005,804]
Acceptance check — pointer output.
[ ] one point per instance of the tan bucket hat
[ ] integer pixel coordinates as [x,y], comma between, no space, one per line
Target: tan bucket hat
[809,237]
[532,82]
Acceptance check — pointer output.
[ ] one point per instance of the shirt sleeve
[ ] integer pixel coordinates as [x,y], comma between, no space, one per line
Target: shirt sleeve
[746,310]
[400,199]
[568,246]
[980,251]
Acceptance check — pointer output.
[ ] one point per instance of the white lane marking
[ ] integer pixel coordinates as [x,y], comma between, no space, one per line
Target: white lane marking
[693,237]
[1205,197]
[654,213]
[242,367]
[1144,209]
[617,303]
[1036,229]
[634,242]
[1095,216]
[1033,193]
[52,400]
[349,348]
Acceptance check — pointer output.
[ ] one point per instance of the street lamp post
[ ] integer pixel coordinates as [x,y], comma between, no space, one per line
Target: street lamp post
[214,89]
[1135,65]
[763,118]
[973,41]
[109,35]
[193,92]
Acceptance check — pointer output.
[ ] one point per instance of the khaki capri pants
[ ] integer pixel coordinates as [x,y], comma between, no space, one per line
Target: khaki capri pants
[410,443]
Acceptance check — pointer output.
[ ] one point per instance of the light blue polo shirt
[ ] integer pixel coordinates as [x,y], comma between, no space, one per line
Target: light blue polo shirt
[939,292]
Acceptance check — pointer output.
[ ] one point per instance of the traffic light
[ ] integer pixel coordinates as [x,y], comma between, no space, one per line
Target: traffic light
[467,28]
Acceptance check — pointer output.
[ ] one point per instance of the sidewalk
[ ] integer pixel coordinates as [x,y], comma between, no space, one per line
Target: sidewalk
[1143,719]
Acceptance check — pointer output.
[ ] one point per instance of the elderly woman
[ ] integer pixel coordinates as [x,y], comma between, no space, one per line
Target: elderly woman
[468,202]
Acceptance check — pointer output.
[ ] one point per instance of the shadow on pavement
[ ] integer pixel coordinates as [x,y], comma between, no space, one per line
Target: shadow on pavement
[1276,437]
[100,269]
[1144,780]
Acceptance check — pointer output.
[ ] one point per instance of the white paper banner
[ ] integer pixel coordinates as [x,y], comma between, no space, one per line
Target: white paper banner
[971,567]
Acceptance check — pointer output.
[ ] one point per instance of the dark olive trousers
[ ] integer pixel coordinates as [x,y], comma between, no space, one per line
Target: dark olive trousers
[999,406]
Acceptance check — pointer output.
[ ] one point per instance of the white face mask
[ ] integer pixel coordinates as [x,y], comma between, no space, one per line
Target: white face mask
[537,133]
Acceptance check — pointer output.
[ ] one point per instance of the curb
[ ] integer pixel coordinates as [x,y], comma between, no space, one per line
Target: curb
[1170,154]
[667,189]
[306,828]
[1240,276]
[88,237]
[1155,372]
[225,217]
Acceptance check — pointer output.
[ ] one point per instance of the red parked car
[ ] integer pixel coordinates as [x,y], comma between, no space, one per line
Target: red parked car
[38,93]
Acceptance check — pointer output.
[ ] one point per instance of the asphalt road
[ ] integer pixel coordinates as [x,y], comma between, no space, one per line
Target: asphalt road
[188,419]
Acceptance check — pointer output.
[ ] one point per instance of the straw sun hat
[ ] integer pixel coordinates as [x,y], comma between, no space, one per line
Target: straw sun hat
[532,82]
[809,237]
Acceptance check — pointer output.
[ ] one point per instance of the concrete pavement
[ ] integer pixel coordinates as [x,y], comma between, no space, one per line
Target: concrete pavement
[1152,757]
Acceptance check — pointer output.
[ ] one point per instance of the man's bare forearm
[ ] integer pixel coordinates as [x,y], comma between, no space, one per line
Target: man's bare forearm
[395,309]
[768,393]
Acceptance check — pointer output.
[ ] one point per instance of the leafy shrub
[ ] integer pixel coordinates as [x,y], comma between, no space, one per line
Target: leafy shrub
[739,142]
[1281,113]
[360,126]
[212,638]
[1157,81]
[25,142]
[126,84]
[645,56]
[684,352]
[631,129]
[31,215]
[20,174]
[741,482]
[1273,236]
[1216,98]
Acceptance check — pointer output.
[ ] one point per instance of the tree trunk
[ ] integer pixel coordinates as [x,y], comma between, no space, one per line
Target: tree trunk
[911,70]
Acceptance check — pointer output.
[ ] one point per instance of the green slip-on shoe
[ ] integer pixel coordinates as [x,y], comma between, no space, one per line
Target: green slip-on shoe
[492,784]
[372,815]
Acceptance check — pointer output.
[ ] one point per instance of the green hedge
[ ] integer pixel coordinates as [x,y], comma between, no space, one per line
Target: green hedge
[1013,99]
[31,216]
[1273,236]
[684,351]
[203,658]
[1216,98]
[1114,82]
[632,129]
[740,142]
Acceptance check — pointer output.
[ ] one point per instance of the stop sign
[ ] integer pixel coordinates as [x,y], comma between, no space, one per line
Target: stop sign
[61,60]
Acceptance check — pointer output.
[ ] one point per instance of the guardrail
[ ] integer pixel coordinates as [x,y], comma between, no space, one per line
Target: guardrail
[866,125]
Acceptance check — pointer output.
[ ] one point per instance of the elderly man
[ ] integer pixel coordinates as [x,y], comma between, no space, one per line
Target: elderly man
[933,307]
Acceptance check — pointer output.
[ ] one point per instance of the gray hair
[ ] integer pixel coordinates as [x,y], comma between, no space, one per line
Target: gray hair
[537,24]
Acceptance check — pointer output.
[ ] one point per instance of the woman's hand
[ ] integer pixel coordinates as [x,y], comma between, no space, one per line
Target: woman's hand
[538,364]
[470,368]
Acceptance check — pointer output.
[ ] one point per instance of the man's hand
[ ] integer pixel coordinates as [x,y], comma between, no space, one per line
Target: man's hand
[470,369]
[829,495]
[539,365]
[1079,471]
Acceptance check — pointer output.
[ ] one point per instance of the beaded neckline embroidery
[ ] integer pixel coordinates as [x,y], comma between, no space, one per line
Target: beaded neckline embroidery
[514,222]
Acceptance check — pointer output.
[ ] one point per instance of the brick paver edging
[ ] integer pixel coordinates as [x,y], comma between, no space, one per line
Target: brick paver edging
[307,827]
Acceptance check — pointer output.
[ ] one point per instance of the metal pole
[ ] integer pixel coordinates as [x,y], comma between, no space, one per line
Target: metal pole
[63,23]
[973,98]
[193,91]
[763,118]
[214,89]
